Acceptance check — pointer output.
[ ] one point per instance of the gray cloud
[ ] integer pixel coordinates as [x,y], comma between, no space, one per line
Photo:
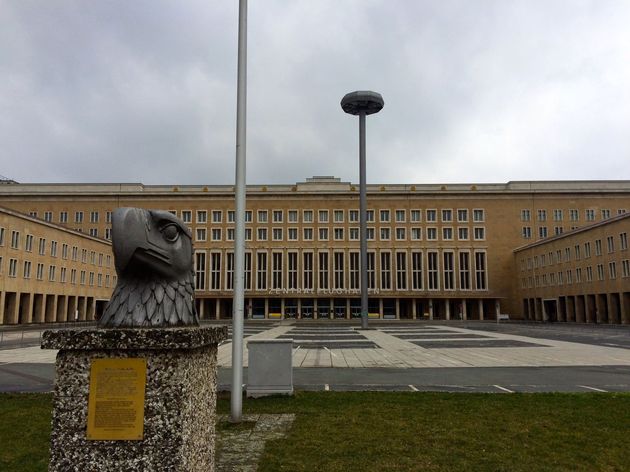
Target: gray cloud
[474,91]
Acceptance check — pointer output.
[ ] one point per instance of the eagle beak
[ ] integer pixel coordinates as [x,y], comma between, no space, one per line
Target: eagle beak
[128,234]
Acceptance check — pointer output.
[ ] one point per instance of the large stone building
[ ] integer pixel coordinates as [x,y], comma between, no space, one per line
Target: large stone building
[49,273]
[582,275]
[436,251]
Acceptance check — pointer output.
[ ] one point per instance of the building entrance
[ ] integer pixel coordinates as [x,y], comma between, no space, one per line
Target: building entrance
[307,308]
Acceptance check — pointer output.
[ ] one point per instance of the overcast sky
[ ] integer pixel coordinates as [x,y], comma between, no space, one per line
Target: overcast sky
[475,91]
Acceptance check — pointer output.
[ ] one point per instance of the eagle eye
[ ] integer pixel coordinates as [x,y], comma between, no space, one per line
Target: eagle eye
[170,232]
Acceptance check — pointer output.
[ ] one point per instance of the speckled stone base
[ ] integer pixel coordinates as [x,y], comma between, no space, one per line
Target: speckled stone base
[180,399]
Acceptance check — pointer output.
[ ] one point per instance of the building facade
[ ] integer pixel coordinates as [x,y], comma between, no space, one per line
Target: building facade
[582,276]
[49,273]
[435,251]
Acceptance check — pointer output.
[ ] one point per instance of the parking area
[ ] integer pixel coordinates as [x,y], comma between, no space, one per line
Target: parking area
[419,356]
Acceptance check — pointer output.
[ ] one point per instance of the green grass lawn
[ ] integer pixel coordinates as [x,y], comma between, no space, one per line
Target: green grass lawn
[381,431]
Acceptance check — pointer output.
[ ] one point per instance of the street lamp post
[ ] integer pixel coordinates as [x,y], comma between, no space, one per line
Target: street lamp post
[362,103]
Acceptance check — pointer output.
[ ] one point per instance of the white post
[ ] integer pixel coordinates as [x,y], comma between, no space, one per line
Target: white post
[236,400]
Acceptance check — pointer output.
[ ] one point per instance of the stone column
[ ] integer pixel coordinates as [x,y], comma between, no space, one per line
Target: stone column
[397,308]
[217,309]
[62,307]
[266,308]
[414,309]
[179,410]
[448,309]
[480,306]
[2,296]
[430,308]
[29,309]
[315,314]
[282,307]
[624,308]
[464,310]
[348,314]
[202,308]
[299,308]
[497,309]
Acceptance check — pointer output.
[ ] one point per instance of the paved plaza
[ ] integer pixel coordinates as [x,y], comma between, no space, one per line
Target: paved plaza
[414,356]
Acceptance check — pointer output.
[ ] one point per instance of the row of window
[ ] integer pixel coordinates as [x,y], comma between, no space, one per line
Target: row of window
[574,214]
[78,216]
[339,270]
[43,246]
[558,278]
[339,234]
[559,256]
[52,273]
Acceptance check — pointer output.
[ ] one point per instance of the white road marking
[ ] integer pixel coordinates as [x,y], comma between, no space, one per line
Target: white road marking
[413,388]
[504,389]
[593,388]
[331,353]
[296,349]
[326,387]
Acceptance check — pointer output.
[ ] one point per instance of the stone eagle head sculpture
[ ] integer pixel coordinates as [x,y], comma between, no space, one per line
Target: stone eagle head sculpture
[153,255]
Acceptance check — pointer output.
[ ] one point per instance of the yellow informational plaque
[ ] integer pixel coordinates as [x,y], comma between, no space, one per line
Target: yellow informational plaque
[116,402]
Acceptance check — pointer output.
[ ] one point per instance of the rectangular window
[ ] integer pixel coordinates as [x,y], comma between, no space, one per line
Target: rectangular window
[542,232]
[386,271]
[13,267]
[64,251]
[574,215]
[400,216]
[307,216]
[248,271]
[48,216]
[479,215]
[577,252]
[229,271]
[416,271]
[462,216]
[338,269]
[323,271]
[51,274]
[589,274]
[200,234]
[322,216]
[202,216]
[598,247]
[249,216]
[401,234]
[53,248]
[278,216]
[231,216]
[610,240]
[542,215]
[464,271]
[73,276]
[292,216]
[200,271]
[216,234]
[63,217]
[525,215]
[323,234]
[276,270]
[261,271]
[261,234]
[431,234]
[93,232]
[416,216]
[623,241]
[248,234]
[416,234]
[371,270]
[353,216]
[338,216]
[28,246]
[557,230]
[215,271]
[187,216]
[354,271]
[230,234]
[262,216]
[307,270]
[292,234]
[292,268]
[78,217]
[480,270]
[448,260]
[40,272]
[277,234]
[625,265]
[338,234]
[217,216]
[605,214]
[62,275]
[432,270]
[308,234]
[108,217]
[480,233]
[557,215]
[447,216]
[384,216]
[385,234]
[42,246]
[590,215]
[526,232]
[612,270]
[401,271]
[94,217]
[447,234]
[369,216]
[432,215]
[15,239]
[587,250]
[354,234]
[600,271]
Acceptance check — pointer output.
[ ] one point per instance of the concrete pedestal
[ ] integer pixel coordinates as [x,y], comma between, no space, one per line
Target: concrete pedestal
[179,405]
